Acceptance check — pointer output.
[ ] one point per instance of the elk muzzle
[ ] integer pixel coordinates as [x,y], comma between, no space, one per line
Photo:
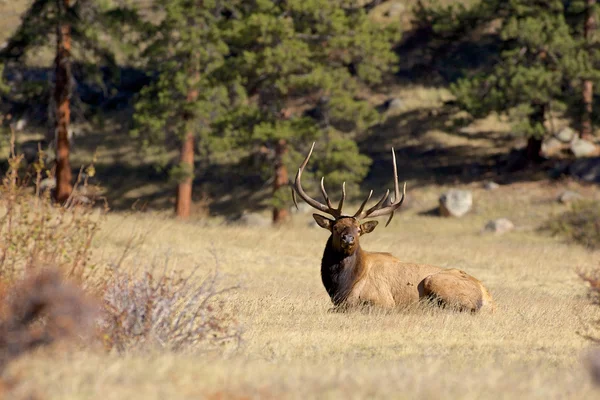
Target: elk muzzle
[347,241]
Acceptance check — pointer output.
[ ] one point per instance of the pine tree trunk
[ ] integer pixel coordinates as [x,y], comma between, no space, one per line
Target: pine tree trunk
[588,85]
[183,207]
[64,175]
[534,144]
[281,179]
[184,188]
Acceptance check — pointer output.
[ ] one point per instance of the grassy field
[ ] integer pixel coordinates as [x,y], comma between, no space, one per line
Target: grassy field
[532,347]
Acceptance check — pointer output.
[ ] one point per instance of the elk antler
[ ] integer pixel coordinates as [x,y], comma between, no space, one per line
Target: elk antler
[377,210]
[334,212]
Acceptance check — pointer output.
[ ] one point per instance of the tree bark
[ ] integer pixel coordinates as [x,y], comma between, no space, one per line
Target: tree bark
[281,179]
[184,188]
[588,85]
[62,98]
[183,207]
[534,144]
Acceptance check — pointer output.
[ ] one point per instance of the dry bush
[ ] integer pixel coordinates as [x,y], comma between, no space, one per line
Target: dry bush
[580,224]
[41,309]
[168,310]
[35,230]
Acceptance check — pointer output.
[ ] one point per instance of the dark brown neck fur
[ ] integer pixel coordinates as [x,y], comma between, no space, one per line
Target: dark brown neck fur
[334,264]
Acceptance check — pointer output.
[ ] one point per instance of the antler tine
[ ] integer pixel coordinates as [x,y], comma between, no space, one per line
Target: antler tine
[392,213]
[396,189]
[325,196]
[377,210]
[379,203]
[294,197]
[343,197]
[312,202]
[360,214]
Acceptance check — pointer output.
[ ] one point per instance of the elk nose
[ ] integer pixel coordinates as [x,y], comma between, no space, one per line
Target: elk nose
[348,239]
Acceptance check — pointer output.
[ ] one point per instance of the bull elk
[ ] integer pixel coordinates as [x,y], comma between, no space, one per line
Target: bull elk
[355,277]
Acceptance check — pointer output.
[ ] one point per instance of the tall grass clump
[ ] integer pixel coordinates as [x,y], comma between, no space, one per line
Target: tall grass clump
[581,224]
[36,230]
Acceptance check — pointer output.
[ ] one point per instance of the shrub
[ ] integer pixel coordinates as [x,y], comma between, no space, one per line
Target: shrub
[168,310]
[580,224]
[36,230]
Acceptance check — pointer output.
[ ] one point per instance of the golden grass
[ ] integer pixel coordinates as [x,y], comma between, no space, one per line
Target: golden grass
[532,347]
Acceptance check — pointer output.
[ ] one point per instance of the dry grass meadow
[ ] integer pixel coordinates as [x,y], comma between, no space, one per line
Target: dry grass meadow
[534,346]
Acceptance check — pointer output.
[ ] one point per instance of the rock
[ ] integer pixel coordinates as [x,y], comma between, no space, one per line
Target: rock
[21,124]
[586,169]
[568,196]
[455,203]
[395,104]
[566,135]
[395,10]
[583,148]
[552,146]
[490,185]
[47,184]
[499,226]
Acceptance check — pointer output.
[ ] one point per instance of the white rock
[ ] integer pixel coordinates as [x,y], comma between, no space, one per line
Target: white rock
[568,196]
[490,185]
[551,146]
[47,184]
[566,134]
[455,203]
[583,148]
[499,226]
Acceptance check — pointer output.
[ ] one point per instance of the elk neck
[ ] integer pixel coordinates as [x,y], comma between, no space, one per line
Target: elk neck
[340,271]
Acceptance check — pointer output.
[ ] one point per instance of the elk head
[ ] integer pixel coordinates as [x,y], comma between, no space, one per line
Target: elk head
[345,229]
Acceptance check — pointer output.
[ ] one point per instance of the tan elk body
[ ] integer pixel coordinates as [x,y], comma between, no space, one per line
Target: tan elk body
[355,277]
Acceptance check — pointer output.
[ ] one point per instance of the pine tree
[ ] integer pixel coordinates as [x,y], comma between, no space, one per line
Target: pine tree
[298,55]
[588,84]
[542,54]
[582,16]
[80,27]
[179,109]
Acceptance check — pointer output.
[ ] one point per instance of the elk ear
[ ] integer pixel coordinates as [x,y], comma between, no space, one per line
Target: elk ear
[323,222]
[368,227]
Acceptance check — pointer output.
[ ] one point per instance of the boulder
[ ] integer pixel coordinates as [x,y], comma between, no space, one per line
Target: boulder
[455,203]
[21,124]
[551,146]
[566,135]
[395,104]
[499,226]
[583,148]
[47,184]
[489,185]
[568,196]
